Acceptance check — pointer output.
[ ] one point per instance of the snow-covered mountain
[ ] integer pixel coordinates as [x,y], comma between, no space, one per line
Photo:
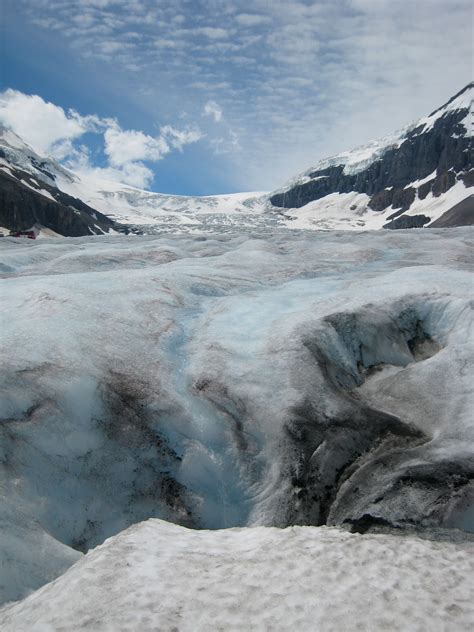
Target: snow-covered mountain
[24,173]
[420,176]
[30,196]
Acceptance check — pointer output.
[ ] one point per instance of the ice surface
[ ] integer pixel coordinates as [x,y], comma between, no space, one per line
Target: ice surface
[225,381]
[38,557]
[158,576]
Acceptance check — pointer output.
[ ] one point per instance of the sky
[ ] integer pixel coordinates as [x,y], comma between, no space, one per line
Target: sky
[212,96]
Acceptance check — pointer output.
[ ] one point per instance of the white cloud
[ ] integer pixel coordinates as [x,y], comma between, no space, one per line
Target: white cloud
[96,3]
[211,32]
[125,146]
[251,19]
[135,174]
[51,130]
[108,47]
[213,109]
[41,124]
[179,138]
[211,85]
[164,42]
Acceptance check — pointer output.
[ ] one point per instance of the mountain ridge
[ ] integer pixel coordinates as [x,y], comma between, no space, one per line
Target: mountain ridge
[422,161]
[412,178]
[467,87]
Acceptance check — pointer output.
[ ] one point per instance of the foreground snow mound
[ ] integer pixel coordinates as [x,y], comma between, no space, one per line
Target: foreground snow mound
[158,576]
[272,380]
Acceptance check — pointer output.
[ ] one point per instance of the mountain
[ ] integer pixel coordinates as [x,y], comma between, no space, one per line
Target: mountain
[420,176]
[29,195]
[38,189]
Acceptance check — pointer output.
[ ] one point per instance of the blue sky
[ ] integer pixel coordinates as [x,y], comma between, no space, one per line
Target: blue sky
[208,96]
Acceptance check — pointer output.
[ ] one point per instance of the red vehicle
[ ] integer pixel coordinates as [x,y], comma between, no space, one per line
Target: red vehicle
[30,234]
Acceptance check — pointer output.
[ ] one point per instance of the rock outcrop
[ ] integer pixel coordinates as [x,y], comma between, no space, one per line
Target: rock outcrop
[25,203]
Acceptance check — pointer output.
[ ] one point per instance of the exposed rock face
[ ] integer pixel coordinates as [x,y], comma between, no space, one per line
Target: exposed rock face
[461,214]
[24,203]
[439,145]
[408,221]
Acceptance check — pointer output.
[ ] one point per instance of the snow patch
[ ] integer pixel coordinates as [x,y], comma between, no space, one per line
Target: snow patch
[42,192]
[158,576]
[351,211]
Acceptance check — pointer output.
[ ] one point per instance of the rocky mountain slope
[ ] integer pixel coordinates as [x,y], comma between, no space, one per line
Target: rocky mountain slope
[29,195]
[411,179]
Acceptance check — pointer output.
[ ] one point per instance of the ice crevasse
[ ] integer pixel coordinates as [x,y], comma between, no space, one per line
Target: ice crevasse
[264,380]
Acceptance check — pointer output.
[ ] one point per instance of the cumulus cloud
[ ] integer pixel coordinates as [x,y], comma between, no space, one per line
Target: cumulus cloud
[127,149]
[49,129]
[213,109]
[125,146]
[45,126]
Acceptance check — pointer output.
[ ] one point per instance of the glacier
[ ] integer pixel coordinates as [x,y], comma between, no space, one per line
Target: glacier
[269,378]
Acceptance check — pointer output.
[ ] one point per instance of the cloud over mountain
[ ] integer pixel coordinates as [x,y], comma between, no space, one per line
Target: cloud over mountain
[50,129]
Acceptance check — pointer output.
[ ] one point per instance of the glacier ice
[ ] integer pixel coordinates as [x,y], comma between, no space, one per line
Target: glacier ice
[272,378]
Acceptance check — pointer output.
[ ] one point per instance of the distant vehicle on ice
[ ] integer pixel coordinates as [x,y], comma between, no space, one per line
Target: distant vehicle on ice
[29,234]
